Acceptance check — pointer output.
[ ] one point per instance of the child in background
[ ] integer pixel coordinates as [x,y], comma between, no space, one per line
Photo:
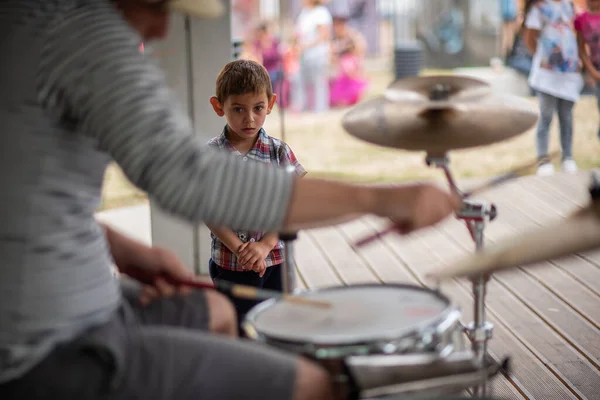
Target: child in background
[245,97]
[587,25]
[555,74]
[509,13]
[268,47]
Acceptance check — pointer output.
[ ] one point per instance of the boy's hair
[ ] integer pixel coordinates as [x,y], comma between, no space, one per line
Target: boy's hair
[242,77]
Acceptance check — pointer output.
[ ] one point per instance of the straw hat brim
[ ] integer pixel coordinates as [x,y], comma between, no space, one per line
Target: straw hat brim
[199,8]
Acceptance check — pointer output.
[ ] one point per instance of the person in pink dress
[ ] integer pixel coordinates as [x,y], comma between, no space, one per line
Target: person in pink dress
[268,48]
[348,50]
[587,25]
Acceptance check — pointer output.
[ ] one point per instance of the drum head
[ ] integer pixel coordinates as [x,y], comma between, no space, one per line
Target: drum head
[358,314]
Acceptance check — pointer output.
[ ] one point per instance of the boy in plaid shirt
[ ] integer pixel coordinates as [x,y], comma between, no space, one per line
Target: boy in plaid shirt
[244,96]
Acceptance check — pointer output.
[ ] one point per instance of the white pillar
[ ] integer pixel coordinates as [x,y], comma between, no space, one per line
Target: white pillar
[192,55]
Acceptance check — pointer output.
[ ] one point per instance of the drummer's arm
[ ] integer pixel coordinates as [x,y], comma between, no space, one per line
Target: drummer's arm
[125,251]
[124,105]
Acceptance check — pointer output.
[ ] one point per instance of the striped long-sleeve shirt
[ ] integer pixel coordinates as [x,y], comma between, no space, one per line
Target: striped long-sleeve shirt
[75,93]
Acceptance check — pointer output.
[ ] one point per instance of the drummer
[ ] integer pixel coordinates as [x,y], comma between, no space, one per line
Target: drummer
[76,94]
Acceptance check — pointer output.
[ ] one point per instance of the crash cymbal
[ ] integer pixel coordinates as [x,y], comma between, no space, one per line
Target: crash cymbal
[490,119]
[577,233]
[436,92]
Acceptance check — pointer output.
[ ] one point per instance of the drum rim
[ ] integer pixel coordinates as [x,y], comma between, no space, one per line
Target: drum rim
[249,323]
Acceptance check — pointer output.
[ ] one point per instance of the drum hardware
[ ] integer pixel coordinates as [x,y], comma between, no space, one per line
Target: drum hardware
[446,382]
[579,232]
[435,115]
[388,371]
[288,271]
[442,162]
[475,214]
[409,320]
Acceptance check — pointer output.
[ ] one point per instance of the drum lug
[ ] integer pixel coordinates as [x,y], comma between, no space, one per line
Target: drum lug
[482,334]
[389,348]
[396,346]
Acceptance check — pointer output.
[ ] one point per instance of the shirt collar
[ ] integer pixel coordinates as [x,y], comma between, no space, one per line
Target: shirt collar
[263,140]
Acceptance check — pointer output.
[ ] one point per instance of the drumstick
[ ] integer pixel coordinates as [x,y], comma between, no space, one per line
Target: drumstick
[516,173]
[240,291]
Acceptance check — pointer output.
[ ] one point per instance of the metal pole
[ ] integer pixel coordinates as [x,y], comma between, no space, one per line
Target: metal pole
[475,214]
[480,331]
[288,272]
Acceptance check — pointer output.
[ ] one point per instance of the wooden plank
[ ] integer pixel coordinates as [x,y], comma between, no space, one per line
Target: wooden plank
[530,375]
[570,363]
[580,269]
[584,302]
[582,335]
[383,257]
[311,264]
[386,267]
[563,286]
[593,256]
[335,247]
[573,188]
[570,291]
[527,367]
[578,299]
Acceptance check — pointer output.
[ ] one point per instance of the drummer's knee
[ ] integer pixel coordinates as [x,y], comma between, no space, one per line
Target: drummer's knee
[312,382]
[222,316]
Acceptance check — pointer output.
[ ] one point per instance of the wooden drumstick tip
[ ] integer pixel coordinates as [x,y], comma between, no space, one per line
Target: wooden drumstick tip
[307,302]
[252,293]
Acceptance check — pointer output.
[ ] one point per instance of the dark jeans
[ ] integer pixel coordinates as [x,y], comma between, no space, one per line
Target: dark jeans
[270,280]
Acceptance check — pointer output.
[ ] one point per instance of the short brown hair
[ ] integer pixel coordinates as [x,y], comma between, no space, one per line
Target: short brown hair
[242,77]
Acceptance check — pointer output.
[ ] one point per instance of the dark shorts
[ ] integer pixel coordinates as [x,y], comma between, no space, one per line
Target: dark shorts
[270,280]
[158,352]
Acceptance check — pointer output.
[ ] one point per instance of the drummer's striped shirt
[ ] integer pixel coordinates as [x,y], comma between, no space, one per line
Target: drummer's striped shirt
[76,93]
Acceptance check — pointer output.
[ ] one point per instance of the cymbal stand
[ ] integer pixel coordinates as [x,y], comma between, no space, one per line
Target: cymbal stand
[475,214]
[288,273]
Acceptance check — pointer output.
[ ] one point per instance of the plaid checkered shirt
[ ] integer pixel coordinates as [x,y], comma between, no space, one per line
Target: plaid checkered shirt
[268,150]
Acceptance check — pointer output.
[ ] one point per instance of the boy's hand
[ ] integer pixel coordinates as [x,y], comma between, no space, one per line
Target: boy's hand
[251,253]
[260,268]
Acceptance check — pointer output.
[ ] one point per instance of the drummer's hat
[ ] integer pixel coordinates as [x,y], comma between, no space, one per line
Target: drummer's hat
[196,8]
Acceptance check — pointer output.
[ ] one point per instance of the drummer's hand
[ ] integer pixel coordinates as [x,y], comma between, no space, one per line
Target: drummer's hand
[165,262]
[251,253]
[420,206]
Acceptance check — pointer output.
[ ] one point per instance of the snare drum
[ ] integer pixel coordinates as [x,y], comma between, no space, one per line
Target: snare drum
[363,320]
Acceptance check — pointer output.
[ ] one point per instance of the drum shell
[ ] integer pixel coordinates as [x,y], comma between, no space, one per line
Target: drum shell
[438,340]
[442,336]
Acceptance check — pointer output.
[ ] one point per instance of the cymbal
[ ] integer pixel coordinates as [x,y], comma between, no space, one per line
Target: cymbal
[416,125]
[577,233]
[436,92]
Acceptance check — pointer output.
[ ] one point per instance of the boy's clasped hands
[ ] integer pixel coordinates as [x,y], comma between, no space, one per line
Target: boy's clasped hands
[252,255]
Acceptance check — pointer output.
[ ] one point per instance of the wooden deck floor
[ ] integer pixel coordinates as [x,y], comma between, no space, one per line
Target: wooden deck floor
[547,318]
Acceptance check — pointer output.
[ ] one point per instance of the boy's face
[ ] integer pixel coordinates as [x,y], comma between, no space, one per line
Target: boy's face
[245,113]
